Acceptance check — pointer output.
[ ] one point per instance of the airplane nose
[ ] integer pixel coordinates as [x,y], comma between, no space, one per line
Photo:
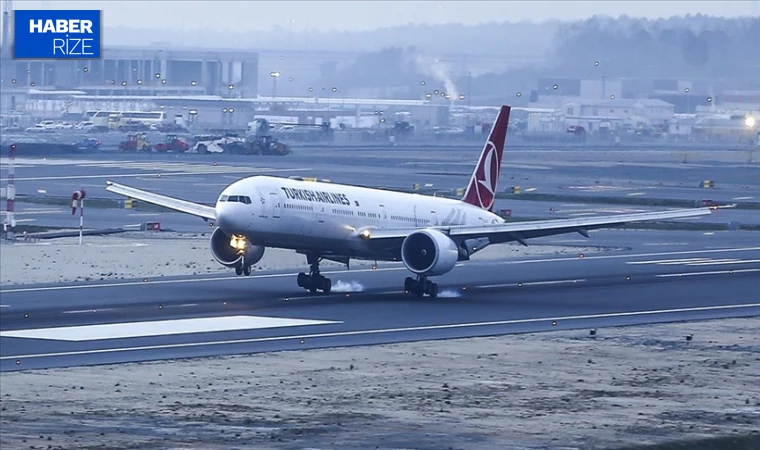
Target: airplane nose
[226,216]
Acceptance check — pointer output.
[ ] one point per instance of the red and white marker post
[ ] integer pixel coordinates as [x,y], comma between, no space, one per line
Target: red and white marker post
[77,199]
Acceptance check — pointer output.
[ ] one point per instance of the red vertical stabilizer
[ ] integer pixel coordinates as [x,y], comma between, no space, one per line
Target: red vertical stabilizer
[481,191]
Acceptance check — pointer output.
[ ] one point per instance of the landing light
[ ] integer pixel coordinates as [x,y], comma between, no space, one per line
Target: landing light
[364,234]
[238,243]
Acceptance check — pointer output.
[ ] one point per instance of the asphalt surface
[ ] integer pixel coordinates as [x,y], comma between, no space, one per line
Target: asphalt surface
[639,174]
[678,276]
[673,174]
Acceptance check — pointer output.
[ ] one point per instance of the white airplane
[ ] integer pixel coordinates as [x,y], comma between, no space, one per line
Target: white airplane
[340,222]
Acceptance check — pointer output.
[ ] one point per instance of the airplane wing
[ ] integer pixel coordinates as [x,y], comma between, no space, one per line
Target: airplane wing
[520,231]
[195,209]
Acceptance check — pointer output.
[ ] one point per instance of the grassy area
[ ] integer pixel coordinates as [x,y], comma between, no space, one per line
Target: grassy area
[99,203]
[640,201]
[19,229]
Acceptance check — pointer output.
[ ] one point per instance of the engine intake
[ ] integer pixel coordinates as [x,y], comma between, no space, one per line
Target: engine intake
[229,251]
[429,252]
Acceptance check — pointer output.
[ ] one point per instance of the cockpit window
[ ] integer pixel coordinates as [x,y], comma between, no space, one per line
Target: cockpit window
[236,198]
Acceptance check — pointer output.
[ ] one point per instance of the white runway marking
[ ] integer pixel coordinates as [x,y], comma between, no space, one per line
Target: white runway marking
[530,283]
[696,262]
[352,271]
[5,306]
[159,328]
[84,311]
[713,272]
[210,170]
[382,331]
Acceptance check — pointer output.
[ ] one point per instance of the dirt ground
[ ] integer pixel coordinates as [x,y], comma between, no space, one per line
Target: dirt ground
[559,390]
[137,255]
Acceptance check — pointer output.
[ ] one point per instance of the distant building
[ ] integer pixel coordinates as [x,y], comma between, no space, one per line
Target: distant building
[652,111]
[135,71]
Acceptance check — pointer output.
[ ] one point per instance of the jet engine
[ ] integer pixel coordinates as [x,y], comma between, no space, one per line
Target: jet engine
[229,250]
[429,252]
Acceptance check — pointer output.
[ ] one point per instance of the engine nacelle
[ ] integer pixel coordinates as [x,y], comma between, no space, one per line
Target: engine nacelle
[429,252]
[229,251]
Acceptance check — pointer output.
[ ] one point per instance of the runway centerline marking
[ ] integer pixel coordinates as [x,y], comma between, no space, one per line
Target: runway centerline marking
[126,330]
[711,272]
[380,331]
[385,269]
[84,311]
[530,283]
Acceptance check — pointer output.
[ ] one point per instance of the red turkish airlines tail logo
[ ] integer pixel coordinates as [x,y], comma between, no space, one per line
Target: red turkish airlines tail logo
[481,191]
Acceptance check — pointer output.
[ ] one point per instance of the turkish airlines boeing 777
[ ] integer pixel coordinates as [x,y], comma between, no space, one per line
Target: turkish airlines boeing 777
[340,222]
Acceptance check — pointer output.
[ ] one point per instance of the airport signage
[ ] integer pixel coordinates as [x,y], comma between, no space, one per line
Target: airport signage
[57,34]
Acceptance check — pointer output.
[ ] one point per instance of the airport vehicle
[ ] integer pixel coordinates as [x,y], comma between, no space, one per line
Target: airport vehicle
[207,143]
[173,143]
[88,144]
[123,120]
[337,222]
[261,141]
[136,142]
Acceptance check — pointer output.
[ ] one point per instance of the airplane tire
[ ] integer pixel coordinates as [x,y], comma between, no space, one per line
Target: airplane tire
[238,270]
[247,270]
[326,285]
[408,284]
[303,280]
[433,291]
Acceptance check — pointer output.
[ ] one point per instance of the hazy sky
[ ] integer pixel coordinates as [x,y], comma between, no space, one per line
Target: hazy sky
[360,15]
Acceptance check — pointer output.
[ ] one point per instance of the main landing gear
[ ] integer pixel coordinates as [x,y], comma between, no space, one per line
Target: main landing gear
[314,280]
[421,286]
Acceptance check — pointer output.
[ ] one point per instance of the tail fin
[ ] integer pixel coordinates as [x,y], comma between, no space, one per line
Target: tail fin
[481,191]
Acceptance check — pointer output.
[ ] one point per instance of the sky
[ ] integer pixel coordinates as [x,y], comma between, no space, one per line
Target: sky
[366,15]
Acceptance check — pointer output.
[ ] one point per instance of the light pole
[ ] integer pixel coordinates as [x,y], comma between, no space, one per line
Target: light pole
[686,91]
[275,75]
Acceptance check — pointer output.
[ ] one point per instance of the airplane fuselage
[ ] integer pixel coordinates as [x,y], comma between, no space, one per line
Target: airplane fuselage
[326,218]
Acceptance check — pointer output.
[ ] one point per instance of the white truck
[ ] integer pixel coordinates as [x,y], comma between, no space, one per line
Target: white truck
[208,143]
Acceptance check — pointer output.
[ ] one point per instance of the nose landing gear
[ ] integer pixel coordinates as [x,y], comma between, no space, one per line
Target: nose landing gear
[421,286]
[242,268]
[314,281]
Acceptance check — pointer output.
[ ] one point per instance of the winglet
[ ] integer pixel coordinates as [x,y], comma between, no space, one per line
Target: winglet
[481,191]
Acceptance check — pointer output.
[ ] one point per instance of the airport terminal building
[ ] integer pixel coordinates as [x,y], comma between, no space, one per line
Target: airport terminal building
[135,72]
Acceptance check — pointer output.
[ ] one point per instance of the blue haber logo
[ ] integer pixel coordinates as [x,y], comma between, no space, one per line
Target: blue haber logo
[57,34]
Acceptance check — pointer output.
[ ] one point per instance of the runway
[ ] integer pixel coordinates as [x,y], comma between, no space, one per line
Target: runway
[61,325]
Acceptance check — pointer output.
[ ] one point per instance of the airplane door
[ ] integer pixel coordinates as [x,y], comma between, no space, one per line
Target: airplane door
[433,218]
[320,209]
[383,217]
[275,208]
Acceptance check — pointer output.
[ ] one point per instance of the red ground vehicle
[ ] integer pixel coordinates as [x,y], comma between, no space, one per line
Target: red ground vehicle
[136,142]
[172,144]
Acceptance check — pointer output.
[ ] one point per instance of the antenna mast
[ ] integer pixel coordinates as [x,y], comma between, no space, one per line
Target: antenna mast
[6,48]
